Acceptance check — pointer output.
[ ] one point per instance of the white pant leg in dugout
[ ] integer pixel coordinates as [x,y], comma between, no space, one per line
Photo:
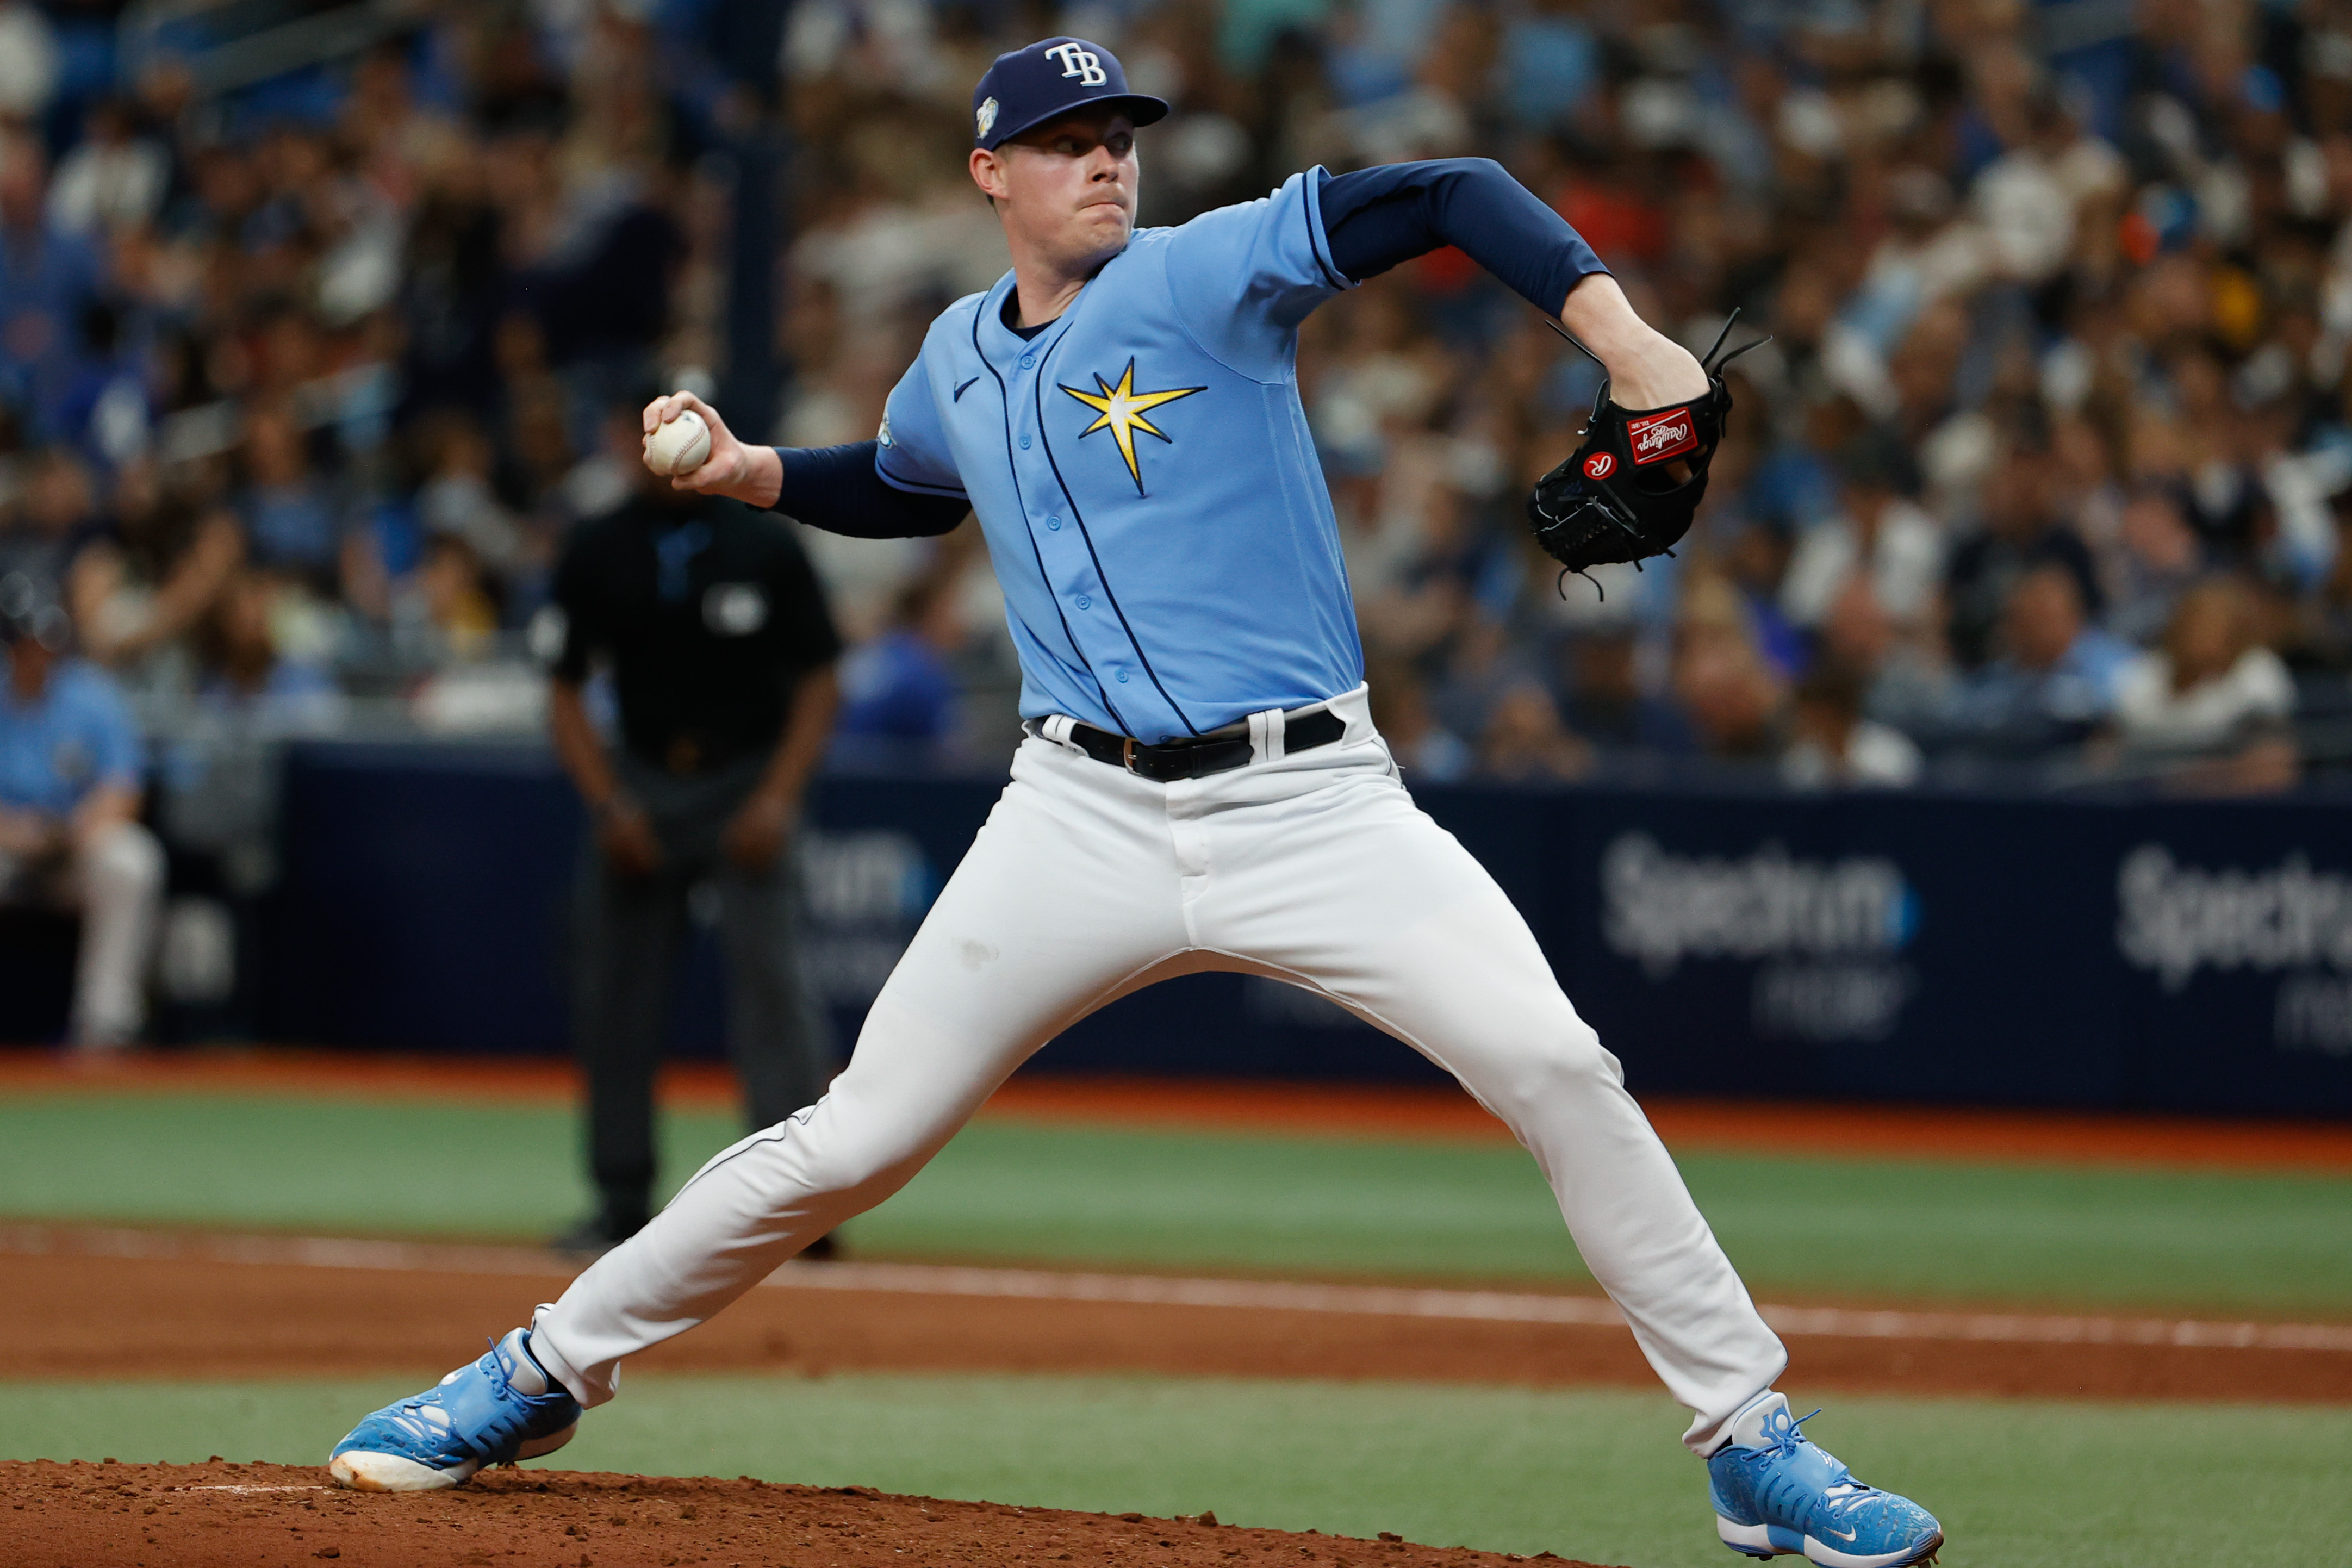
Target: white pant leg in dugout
[118,879]
[1089,881]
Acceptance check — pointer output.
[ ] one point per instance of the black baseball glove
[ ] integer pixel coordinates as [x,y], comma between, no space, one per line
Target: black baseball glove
[1618,498]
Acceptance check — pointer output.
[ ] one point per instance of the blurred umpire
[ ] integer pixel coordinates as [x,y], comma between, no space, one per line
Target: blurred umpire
[721,653]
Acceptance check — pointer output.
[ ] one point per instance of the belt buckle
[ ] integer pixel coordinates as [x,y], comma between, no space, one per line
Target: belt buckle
[1127,752]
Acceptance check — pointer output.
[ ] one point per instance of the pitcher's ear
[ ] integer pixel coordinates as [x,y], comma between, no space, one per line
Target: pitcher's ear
[986,169]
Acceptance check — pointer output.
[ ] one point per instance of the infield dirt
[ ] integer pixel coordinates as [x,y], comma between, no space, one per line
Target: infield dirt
[222,1515]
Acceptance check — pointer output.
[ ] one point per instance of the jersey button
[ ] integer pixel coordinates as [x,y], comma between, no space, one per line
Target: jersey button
[1054,524]
[1122,678]
[1085,602]
[1028,360]
[1024,443]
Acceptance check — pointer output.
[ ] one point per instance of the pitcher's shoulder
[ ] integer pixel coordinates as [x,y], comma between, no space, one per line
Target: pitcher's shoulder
[1296,188]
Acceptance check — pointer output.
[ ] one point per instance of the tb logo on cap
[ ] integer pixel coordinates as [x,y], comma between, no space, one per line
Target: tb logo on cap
[1079,61]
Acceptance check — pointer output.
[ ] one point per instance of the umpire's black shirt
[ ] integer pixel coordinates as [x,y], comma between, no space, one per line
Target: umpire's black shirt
[709,614]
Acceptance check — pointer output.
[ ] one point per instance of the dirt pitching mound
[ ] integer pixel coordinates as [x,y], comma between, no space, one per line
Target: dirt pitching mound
[219,1515]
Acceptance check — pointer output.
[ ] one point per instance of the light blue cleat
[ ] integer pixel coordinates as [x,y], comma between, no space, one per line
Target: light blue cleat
[1791,1496]
[502,1408]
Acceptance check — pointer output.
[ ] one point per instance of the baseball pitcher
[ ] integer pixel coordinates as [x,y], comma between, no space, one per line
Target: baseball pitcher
[1201,788]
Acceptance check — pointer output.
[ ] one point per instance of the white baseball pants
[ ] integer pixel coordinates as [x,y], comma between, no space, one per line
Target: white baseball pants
[1087,883]
[115,878]
[118,877]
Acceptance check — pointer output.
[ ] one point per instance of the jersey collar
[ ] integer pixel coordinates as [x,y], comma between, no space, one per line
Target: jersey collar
[1002,345]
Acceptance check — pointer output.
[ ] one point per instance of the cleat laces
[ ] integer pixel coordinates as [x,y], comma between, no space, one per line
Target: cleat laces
[1782,1438]
[423,1420]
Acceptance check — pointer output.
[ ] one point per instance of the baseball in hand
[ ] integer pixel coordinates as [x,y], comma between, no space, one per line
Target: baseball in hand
[680,445]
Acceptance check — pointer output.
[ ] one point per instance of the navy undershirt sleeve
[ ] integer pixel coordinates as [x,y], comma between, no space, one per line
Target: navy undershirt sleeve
[836,488]
[1375,218]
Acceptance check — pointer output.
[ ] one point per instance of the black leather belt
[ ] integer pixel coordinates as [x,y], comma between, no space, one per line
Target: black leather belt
[1197,756]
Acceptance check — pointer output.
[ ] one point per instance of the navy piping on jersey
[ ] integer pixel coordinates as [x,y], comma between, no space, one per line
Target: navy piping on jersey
[1102,577]
[1029,530]
[1310,212]
[915,487]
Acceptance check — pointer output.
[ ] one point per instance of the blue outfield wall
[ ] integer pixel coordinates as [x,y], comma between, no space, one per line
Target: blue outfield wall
[2189,956]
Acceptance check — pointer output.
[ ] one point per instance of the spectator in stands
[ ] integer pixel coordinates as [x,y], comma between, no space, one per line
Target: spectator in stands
[2022,531]
[157,574]
[1759,563]
[1422,747]
[217,788]
[59,521]
[897,686]
[2055,678]
[1605,703]
[458,498]
[1879,533]
[47,278]
[295,523]
[113,179]
[1524,742]
[2068,359]
[2210,686]
[70,780]
[1909,680]
[722,652]
[2323,636]
[536,459]
[443,612]
[103,406]
[28,61]
[240,673]
[1832,744]
[2153,557]
[1730,696]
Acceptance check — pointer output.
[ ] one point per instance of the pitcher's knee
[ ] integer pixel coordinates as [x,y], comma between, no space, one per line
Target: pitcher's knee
[862,1164]
[1567,1060]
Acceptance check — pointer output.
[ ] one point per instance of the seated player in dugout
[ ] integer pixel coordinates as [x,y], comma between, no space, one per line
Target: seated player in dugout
[71,788]
[1201,787]
[720,651]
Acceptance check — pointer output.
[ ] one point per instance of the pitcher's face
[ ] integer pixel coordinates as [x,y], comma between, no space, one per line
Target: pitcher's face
[1066,189]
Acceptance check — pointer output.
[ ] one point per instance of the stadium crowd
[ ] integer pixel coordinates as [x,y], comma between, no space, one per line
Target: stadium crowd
[2040,479]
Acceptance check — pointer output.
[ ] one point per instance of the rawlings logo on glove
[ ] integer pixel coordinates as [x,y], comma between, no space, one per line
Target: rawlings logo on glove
[1658,437]
[1614,499]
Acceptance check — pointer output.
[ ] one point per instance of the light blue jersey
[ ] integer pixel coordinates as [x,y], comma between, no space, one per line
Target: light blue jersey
[1145,476]
[77,735]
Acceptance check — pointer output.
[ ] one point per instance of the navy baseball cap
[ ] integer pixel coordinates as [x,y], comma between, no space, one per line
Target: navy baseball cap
[1026,88]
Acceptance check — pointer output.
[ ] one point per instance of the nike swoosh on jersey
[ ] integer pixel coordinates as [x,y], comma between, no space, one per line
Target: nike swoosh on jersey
[961,390]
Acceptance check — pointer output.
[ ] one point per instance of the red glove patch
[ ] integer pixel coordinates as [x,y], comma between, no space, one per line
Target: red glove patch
[1658,437]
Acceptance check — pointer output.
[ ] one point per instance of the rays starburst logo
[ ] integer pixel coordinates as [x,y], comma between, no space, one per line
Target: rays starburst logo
[1120,410]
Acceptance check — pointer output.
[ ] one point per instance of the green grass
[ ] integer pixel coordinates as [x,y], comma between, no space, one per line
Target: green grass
[1596,1475]
[303,1162]
[1813,1227]
[2203,1242]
